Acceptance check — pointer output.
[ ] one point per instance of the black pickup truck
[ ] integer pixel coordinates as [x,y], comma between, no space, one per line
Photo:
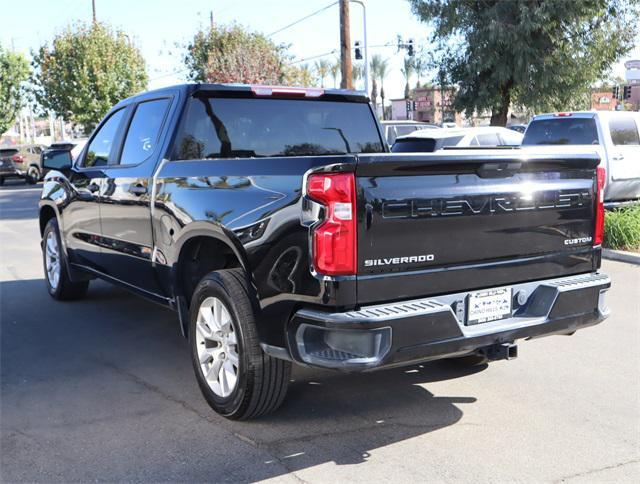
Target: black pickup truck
[277,225]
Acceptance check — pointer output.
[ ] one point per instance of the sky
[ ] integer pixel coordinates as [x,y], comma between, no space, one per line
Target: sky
[156,26]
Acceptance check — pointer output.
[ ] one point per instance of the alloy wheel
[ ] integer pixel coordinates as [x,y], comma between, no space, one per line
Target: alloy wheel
[52,259]
[217,346]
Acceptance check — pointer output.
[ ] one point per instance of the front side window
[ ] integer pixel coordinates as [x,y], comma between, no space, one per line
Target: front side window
[100,146]
[624,131]
[144,131]
[246,128]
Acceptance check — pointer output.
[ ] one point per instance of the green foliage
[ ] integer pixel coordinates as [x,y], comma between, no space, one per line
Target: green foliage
[85,71]
[14,71]
[322,67]
[408,69]
[622,228]
[542,54]
[234,54]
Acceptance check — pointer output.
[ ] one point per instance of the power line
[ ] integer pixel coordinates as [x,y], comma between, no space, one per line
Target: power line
[301,19]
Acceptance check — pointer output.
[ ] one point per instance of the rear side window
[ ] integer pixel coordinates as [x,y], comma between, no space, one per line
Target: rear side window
[241,127]
[450,141]
[624,131]
[414,145]
[488,139]
[562,131]
[144,131]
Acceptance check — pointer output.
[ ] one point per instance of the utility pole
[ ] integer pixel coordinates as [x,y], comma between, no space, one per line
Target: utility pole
[93,5]
[211,19]
[345,46]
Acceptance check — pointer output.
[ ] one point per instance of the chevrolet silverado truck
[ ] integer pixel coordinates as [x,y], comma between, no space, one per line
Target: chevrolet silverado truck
[278,226]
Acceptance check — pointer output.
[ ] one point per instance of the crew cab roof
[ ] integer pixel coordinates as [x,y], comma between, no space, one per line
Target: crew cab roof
[247,89]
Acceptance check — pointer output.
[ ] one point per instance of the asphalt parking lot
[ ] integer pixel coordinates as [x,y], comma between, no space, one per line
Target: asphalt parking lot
[102,389]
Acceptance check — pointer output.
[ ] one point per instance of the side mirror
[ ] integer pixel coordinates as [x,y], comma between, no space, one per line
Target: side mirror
[59,160]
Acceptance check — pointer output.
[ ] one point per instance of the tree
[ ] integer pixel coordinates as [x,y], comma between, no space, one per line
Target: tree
[14,71]
[374,67]
[334,70]
[382,73]
[407,71]
[322,70]
[231,53]
[356,73]
[85,71]
[299,76]
[541,54]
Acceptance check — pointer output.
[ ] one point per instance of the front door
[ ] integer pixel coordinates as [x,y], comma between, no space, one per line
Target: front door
[82,230]
[126,199]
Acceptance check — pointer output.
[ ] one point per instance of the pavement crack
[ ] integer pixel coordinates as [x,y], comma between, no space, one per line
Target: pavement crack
[600,469]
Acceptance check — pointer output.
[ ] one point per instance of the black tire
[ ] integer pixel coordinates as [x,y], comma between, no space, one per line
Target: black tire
[262,380]
[65,289]
[33,175]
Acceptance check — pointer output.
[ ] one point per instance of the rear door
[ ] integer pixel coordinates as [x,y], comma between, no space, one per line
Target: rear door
[431,224]
[125,197]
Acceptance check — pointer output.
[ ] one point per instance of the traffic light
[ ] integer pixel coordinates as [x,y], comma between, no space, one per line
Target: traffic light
[410,48]
[408,105]
[626,93]
[616,92]
[358,51]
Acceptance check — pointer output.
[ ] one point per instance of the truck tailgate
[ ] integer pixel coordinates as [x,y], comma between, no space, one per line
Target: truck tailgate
[432,223]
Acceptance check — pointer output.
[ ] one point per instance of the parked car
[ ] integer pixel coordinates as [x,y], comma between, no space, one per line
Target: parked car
[614,135]
[277,225]
[22,161]
[395,128]
[426,141]
[520,128]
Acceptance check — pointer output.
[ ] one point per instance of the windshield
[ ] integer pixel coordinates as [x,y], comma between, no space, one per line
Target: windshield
[562,131]
[240,127]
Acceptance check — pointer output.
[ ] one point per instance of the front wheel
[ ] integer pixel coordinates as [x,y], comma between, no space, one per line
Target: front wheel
[238,380]
[56,274]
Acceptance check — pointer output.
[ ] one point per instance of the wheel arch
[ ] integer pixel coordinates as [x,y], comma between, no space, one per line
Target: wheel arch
[201,248]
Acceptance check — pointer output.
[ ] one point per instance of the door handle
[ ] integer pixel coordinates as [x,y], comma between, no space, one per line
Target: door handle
[93,187]
[138,189]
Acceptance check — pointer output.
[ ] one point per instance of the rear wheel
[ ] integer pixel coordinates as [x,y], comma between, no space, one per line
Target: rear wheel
[236,377]
[33,175]
[56,274]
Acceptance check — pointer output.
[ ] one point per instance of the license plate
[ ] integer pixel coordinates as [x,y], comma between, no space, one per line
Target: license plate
[488,305]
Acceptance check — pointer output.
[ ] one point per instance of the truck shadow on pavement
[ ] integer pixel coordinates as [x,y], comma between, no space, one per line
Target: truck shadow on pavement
[95,389]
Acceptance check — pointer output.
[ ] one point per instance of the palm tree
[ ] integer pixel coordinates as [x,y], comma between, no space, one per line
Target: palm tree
[419,66]
[356,74]
[407,70]
[382,73]
[334,70]
[322,70]
[376,60]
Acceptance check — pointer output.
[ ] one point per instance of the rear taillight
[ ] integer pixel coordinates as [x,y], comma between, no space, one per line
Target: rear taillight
[17,158]
[334,239]
[598,233]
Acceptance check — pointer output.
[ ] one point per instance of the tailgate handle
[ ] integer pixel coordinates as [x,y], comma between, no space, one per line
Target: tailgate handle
[498,170]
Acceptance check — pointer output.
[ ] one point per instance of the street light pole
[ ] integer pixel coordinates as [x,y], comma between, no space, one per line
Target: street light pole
[93,6]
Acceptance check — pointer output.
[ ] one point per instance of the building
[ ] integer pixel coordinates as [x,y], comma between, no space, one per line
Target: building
[428,104]
[603,100]
[632,73]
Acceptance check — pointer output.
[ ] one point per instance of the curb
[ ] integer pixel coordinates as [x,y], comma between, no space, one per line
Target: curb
[621,256]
